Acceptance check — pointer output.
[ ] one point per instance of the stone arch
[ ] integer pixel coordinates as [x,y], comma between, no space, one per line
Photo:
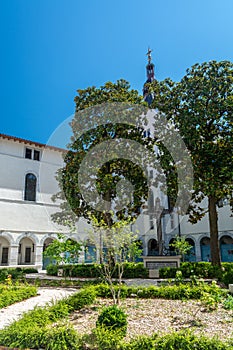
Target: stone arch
[27,250]
[30,235]
[73,238]
[141,247]
[8,236]
[153,247]
[191,256]
[205,248]
[171,248]
[47,240]
[48,235]
[4,251]
[90,255]
[226,239]
[226,248]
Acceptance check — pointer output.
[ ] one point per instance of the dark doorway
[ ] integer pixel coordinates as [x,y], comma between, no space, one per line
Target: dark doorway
[28,255]
[5,251]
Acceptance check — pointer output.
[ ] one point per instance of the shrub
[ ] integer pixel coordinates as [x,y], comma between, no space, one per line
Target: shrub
[131,270]
[180,291]
[201,270]
[113,319]
[78,300]
[33,328]
[227,277]
[30,337]
[61,337]
[52,270]
[228,302]
[103,338]
[106,340]
[187,340]
[29,270]
[135,270]
[12,294]
[16,273]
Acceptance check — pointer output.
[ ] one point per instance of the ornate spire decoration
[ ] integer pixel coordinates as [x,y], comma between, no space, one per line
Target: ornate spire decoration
[148,97]
[149,55]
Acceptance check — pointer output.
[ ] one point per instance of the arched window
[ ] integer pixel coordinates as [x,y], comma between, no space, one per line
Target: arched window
[153,248]
[30,188]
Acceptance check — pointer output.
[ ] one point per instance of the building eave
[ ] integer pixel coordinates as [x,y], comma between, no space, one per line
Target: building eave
[32,143]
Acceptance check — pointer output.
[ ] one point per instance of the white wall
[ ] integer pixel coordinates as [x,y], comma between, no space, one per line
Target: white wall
[16,214]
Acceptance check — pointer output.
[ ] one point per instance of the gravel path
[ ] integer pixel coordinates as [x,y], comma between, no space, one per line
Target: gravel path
[45,295]
[148,316]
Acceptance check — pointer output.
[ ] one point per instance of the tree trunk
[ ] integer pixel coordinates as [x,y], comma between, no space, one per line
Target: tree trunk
[213,223]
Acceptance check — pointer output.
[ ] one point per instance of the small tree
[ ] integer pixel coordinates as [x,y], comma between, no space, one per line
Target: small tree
[122,246]
[181,246]
[63,250]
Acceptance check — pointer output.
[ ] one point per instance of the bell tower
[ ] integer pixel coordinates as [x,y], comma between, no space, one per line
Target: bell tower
[148,96]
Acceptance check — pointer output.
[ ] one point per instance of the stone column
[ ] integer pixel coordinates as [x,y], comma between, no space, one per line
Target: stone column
[81,258]
[13,255]
[198,251]
[38,257]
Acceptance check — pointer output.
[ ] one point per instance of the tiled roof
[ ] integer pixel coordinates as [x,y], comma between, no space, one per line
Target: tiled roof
[37,144]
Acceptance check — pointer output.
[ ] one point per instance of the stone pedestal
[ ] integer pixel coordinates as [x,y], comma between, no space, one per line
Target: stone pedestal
[231,288]
[154,263]
[154,273]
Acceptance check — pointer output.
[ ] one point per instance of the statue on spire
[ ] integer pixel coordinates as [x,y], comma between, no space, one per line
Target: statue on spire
[149,55]
[149,96]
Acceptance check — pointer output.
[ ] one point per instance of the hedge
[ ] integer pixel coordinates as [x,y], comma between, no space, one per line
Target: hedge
[176,292]
[131,270]
[12,294]
[137,270]
[16,273]
[201,270]
[32,330]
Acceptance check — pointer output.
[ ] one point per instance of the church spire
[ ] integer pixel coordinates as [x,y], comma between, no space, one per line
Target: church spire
[148,97]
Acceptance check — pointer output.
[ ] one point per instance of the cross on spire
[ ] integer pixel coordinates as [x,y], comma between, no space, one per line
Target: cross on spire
[149,96]
[149,55]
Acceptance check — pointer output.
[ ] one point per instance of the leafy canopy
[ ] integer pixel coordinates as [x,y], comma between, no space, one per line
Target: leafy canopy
[108,176]
[201,107]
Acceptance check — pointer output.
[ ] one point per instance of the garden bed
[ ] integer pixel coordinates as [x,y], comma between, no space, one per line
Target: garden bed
[163,317]
[147,316]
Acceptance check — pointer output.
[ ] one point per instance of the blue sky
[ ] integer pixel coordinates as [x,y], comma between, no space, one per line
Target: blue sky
[51,48]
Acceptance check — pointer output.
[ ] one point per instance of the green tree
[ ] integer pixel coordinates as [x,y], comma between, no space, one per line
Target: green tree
[181,246]
[63,250]
[122,246]
[201,107]
[98,103]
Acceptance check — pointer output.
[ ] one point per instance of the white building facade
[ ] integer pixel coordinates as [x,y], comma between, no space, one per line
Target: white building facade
[27,183]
